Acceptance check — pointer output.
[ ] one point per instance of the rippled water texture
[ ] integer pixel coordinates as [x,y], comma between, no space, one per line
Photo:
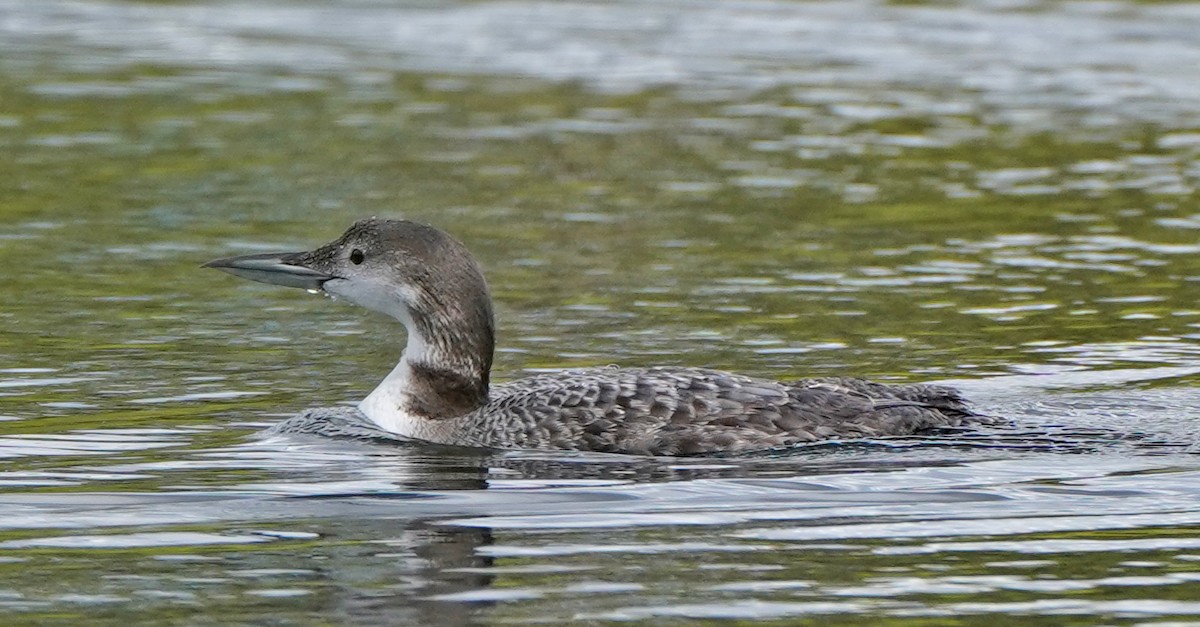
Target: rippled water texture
[997,194]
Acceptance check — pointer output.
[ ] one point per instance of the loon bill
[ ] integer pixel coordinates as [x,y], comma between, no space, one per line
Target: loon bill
[439,392]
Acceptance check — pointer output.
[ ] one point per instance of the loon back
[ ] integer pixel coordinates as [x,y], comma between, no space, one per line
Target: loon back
[440,390]
[692,411]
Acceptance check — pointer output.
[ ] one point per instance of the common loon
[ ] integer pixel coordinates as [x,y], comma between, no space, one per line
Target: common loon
[439,392]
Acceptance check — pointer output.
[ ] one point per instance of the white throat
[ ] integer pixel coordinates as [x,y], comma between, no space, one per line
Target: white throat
[385,404]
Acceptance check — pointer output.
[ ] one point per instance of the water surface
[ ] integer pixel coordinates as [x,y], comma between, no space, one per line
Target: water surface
[998,194]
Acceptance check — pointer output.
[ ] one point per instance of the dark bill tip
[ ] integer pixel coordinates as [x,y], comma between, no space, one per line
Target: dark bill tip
[272,268]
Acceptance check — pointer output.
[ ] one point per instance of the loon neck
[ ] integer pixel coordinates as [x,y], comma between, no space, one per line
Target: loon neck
[444,370]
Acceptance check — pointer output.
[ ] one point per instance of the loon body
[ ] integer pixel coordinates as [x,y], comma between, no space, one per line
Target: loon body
[440,391]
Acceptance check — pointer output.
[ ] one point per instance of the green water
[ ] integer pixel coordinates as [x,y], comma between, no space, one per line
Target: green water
[1037,243]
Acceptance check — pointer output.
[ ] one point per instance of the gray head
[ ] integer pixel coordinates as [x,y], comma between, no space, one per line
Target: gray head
[410,271]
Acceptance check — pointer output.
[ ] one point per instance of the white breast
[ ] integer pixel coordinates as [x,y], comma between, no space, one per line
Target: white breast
[385,407]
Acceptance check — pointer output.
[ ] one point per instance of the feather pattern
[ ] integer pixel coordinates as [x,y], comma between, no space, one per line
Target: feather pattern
[692,411]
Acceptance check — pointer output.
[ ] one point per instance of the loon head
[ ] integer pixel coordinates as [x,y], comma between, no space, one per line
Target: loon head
[413,272]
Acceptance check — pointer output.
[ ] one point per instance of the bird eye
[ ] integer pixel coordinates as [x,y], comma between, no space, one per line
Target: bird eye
[356,256]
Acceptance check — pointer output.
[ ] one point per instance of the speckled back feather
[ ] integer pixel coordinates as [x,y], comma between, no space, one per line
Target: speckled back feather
[690,411]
